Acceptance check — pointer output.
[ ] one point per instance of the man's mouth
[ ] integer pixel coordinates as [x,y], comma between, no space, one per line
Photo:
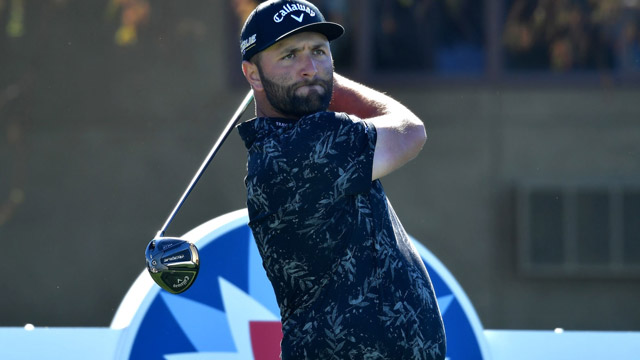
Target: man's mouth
[305,89]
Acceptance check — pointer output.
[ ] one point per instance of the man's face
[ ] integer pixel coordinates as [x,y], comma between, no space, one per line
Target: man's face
[297,74]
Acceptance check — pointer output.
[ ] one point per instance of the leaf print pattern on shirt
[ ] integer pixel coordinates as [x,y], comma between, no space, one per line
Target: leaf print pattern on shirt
[347,280]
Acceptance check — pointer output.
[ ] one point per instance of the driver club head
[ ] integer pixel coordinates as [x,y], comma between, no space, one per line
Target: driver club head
[173,263]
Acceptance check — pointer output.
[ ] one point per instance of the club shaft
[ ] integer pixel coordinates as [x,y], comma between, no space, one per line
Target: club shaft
[234,120]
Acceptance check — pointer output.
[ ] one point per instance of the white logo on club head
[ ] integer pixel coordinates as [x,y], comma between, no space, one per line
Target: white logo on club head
[182,282]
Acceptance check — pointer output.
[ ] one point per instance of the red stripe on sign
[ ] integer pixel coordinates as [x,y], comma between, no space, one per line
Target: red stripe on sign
[265,339]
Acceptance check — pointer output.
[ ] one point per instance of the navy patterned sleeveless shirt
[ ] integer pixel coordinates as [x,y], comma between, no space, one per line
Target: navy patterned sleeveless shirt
[348,281]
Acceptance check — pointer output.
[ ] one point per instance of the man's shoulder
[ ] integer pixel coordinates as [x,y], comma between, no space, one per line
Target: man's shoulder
[312,125]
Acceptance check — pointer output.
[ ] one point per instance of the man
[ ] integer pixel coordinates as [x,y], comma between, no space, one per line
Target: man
[348,282]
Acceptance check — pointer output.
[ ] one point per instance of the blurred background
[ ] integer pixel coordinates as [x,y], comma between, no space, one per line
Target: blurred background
[528,188]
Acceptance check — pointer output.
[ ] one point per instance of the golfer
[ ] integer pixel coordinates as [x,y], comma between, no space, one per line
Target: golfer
[348,281]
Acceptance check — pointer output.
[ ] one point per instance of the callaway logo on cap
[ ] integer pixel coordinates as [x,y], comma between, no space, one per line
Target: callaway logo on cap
[274,20]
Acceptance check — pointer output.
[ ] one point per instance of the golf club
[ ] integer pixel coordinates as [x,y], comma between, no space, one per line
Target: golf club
[173,263]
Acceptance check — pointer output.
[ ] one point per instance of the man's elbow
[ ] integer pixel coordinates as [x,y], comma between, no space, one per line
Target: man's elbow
[423,136]
[418,138]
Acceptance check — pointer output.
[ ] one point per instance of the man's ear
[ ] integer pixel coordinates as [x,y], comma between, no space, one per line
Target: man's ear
[250,71]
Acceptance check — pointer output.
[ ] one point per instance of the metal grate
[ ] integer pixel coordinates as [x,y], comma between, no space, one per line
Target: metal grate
[590,230]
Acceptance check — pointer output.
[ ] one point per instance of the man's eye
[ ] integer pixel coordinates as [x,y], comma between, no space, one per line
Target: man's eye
[288,56]
[319,52]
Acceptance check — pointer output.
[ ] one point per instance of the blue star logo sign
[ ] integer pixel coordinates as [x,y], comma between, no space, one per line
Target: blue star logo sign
[230,313]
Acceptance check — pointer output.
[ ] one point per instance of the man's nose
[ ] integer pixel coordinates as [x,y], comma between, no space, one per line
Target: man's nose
[309,66]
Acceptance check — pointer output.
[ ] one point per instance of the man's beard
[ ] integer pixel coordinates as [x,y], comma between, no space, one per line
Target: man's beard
[285,100]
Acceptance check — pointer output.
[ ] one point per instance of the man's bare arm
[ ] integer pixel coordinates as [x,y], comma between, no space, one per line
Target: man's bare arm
[401,134]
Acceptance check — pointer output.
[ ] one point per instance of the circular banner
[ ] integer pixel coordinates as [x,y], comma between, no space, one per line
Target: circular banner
[230,312]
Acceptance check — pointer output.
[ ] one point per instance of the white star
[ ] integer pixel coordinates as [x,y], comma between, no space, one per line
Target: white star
[444,302]
[240,310]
